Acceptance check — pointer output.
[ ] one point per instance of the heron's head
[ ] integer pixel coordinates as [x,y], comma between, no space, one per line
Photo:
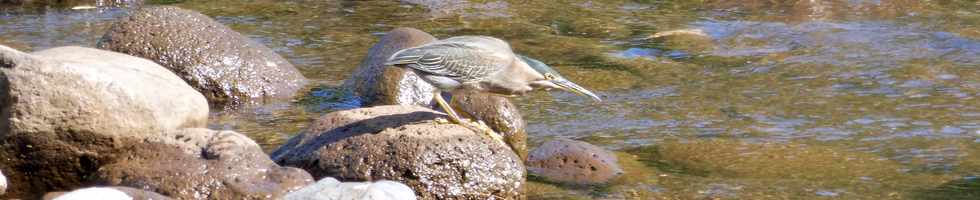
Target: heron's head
[551,79]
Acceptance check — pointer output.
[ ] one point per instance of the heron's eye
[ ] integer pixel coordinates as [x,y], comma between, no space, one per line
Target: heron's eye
[549,76]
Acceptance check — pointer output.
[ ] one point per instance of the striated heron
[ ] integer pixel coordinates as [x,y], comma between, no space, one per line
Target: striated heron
[483,64]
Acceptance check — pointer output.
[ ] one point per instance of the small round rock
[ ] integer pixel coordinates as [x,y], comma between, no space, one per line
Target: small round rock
[574,162]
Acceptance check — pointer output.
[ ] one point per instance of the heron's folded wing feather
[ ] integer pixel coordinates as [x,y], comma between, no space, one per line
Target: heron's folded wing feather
[454,60]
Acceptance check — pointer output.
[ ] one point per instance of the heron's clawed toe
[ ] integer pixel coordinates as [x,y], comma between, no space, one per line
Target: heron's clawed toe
[441,120]
[483,128]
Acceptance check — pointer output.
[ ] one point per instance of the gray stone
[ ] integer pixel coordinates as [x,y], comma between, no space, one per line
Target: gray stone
[404,144]
[575,162]
[65,111]
[332,189]
[228,68]
[74,117]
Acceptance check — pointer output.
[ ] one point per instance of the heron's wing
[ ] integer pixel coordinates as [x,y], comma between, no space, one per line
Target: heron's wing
[455,60]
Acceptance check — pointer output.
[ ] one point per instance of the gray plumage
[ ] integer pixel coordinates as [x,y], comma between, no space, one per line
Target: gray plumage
[483,64]
[465,59]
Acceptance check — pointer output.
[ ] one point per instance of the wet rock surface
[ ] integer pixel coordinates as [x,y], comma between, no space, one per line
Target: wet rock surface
[575,162]
[376,84]
[106,193]
[225,66]
[498,113]
[66,111]
[404,144]
[227,166]
[332,189]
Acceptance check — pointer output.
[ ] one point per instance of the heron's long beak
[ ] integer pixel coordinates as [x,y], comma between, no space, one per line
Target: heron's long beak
[574,88]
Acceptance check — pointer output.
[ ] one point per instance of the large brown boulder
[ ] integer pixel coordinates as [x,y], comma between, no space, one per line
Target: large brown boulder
[228,165]
[65,111]
[217,61]
[377,84]
[405,144]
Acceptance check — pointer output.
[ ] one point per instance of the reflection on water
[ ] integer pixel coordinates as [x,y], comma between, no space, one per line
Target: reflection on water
[752,100]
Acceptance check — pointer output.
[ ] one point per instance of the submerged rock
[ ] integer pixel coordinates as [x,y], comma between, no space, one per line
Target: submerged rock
[404,144]
[570,161]
[66,111]
[106,193]
[217,61]
[376,84]
[332,189]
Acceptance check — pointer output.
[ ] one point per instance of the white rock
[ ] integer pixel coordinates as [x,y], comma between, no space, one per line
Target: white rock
[331,189]
[95,193]
[3,184]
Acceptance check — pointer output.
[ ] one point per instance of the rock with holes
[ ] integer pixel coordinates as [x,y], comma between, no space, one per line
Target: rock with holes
[332,189]
[228,68]
[570,161]
[106,193]
[405,144]
[377,84]
[66,111]
[225,165]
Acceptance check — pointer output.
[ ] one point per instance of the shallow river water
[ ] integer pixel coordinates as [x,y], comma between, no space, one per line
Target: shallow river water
[745,99]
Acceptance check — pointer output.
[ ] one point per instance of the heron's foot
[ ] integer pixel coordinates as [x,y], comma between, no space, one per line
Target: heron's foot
[481,127]
[441,120]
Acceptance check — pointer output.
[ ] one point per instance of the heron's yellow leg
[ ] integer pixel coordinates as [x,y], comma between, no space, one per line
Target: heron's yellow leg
[449,110]
[477,126]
